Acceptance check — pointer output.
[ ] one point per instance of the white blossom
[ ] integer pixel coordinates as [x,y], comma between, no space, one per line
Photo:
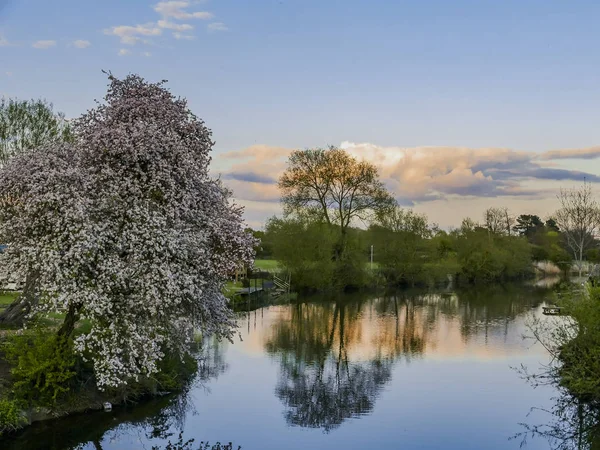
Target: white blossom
[125,226]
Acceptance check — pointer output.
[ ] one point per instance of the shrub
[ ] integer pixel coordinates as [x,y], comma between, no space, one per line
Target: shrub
[11,418]
[43,366]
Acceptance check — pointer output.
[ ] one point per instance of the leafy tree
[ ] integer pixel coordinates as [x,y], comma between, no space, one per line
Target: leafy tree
[124,227]
[306,249]
[399,237]
[332,186]
[29,124]
[551,224]
[527,225]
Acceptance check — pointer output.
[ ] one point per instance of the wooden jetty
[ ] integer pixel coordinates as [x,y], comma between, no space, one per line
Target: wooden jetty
[551,310]
[249,290]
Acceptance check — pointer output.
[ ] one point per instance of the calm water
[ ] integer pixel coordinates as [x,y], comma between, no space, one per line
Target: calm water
[412,370]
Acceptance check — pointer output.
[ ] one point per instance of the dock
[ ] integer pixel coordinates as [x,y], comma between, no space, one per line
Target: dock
[249,290]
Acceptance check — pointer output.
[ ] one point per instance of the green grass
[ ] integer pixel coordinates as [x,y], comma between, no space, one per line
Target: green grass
[232,285]
[6,298]
[266,264]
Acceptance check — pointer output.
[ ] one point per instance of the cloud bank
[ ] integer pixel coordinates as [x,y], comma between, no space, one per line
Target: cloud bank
[421,176]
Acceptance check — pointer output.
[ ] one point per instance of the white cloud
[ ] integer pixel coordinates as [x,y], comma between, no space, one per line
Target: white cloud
[178,35]
[174,26]
[44,44]
[176,10]
[3,41]
[79,43]
[147,54]
[171,13]
[124,52]
[217,26]
[131,34]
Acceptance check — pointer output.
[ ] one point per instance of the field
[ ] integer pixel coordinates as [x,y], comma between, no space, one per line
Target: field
[6,298]
[266,264]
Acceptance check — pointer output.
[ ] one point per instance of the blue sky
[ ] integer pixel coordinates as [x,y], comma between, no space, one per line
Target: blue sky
[294,74]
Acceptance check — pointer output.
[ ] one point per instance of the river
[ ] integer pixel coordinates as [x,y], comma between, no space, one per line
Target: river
[411,370]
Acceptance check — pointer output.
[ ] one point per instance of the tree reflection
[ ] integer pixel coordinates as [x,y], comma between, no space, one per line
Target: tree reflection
[336,354]
[334,361]
[573,425]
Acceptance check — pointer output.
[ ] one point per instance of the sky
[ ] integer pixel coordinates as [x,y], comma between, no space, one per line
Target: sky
[461,104]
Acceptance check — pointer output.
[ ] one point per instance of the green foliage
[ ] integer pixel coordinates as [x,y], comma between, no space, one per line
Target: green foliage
[266,264]
[43,366]
[580,356]
[29,124]
[11,418]
[6,298]
[306,250]
[485,256]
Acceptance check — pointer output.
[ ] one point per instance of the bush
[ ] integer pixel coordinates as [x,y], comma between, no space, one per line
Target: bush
[580,356]
[43,366]
[11,418]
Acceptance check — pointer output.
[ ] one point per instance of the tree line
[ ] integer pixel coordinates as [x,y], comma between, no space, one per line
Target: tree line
[338,215]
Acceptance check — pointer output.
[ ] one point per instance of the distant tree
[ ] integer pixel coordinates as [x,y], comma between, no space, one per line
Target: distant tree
[579,220]
[332,186]
[551,224]
[397,219]
[29,124]
[527,225]
[499,220]
[467,225]
[399,235]
[494,220]
[125,227]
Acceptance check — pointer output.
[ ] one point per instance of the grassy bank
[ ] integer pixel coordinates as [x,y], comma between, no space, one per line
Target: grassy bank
[266,264]
[7,297]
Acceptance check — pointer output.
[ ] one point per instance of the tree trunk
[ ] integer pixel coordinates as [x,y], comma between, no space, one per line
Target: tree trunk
[17,311]
[66,329]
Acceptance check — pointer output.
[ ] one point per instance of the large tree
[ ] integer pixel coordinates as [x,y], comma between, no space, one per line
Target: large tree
[29,124]
[333,186]
[578,219]
[124,227]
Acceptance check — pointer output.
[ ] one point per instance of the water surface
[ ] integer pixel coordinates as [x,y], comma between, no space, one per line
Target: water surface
[408,370]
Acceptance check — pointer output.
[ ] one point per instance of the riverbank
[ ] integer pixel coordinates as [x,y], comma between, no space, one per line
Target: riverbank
[37,386]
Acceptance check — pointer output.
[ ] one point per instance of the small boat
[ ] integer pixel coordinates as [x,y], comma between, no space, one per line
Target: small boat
[551,310]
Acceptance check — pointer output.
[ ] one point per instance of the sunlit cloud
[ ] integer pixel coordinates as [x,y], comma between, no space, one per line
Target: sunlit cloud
[451,178]
[124,51]
[131,35]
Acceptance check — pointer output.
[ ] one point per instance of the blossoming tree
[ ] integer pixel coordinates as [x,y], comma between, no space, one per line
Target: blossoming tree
[126,228]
